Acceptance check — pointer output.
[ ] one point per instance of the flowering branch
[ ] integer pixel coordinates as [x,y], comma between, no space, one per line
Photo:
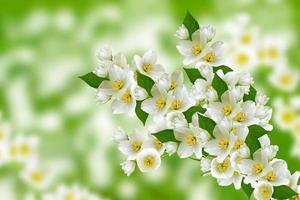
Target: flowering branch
[222,121]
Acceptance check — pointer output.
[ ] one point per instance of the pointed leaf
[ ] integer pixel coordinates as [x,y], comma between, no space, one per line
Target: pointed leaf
[190,112]
[252,94]
[219,85]
[252,141]
[283,192]
[190,23]
[145,82]
[206,123]
[247,189]
[165,136]
[193,74]
[92,79]
[140,113]
[224,68]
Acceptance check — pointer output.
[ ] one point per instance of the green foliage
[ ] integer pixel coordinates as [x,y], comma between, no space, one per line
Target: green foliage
[252,94]
[165,136]
[252,142]
[283,192]
[145,82]
[193,74]
[219,85]
[140,113]
[190,23]
[92,79]
[206,123]
[247,189]
[224,68]
[189,113]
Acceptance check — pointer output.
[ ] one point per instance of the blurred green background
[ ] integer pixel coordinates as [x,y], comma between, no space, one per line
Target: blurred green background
[46,45]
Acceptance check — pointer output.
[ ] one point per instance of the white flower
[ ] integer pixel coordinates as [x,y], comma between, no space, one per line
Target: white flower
[103,68]
[148,160]
[125,102]
[140,93]
[222,143]
[74,192]
[209,31]
[221,170]
[101,97]
[284,78]
[153,142]
[128,167]
[214,54]
[171,147]
[159,103]
[181,100]
[182,33]
[119,81]
[169,84]
[119,135]
[132,146]
[263,191]
[236,179]
[4,152]
[205,165]
[255,169]
[194,50]
[176,119]
[104,53]
[294,179]
[36,176]
[246,114]
[261,99]
[119,60]
[147,65]
[279,173]
[191,140]
[264,114]
[285,115]
[269,150]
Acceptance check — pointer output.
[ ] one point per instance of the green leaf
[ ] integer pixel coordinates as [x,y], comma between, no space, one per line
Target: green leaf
[190,23]
[224,68]
[252,141]
[283,192]
[189,113]
[193,74]
[206,123]
[92,79]
[252,94]
[140,113]
[247,189]
[219,85]
[145,82]
[165,136]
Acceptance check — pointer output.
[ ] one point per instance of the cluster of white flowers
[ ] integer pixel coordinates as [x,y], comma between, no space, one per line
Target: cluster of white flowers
[22,151]
[223,97]
[74,192]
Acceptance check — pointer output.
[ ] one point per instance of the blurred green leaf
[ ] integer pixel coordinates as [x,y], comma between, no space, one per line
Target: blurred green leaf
[247,189]
[252,94]
[140,113]
[165,136]
[92,79]
[193,74]
[145,82]
[283,192]
[219,85]
[206,123]
[189,113]
[190,23]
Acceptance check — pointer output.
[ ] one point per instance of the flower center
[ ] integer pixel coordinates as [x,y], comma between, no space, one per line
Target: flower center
[176,104]
[136,146]
[13,150]
[238,144]
[246,38]
[196,49]
[273,52]
[233,130]
[242,59]
[240,117]
[261,53]
[69,196]
[147,68]
[126,98]
[227,109]
[222,167]
[1,135]
[285,79]
[160,102]
[210,57]
[37,176]
[148,161]
[191,140]
[223,143]
[158,144]
[173,85]
[265,192]
[24,149]
[287,117]
[258,168]
[271,176]
[118,84]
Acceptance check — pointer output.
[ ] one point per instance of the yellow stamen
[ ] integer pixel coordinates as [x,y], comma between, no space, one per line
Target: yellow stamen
[173,85]
[191,140]
[37,176]
[223,143]
[210,57]
[149,161]
[288,116]
[227,109]
[136,146]
[176,104]
[24,149]
[196,49]
[147,68]
[222,167]
[160,102]
[158,144]
[242,59]
[126,98]
[118,84]
[238,144]
[258,168]
[271,176]
[246,38]
[273,52]
[240,117]
[285,79]
[69,196]
[265,192]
